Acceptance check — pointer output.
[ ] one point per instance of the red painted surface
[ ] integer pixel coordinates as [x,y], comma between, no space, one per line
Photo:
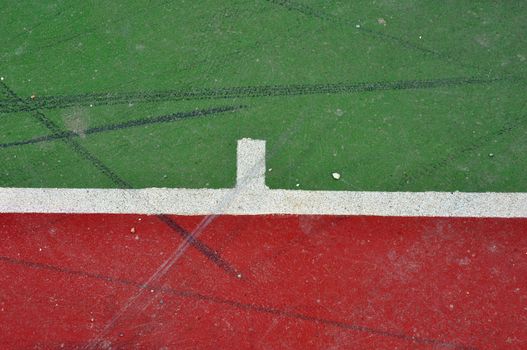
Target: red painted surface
[308,282]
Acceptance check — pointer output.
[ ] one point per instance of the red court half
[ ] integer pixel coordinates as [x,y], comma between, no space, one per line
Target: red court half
[304,282]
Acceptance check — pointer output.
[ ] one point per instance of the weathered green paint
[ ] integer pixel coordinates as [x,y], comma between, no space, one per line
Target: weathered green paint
[465,137]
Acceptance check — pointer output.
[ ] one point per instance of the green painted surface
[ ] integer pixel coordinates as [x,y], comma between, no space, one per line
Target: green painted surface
[464,136]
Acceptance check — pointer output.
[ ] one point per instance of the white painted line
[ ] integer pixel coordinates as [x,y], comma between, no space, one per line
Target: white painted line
[209,202]
[252,197]
[250,169]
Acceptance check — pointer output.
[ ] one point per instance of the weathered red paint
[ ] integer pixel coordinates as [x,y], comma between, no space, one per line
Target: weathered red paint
[308,282]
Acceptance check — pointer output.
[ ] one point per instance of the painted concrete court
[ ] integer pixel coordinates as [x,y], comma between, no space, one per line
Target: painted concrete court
[167,175]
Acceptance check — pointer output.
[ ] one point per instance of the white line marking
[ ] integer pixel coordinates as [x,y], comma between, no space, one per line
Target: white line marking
[252,197]
[250,168]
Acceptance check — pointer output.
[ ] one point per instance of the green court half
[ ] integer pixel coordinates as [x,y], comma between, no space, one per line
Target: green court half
[394,96]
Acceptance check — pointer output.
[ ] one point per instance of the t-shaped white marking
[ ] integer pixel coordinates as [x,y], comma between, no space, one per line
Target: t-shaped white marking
[252,197]
[250,169]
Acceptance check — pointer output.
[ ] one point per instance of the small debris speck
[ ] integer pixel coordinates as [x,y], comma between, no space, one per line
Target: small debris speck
[336,176]
[132,230]
[239,275]
[2,78]
[381,21]
[339,112]
[357,26]
[491,155]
